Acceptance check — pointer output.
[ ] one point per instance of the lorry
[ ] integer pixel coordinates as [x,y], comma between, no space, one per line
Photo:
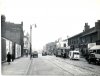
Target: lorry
[94,54]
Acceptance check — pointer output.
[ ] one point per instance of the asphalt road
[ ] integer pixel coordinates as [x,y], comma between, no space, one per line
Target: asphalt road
[48,66]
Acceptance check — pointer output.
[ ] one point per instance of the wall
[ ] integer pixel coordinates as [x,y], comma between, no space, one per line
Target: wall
[3,49]
[17,50]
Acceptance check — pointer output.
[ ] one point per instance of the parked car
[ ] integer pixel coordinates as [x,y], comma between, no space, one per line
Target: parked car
[35,54]
[74,55]
[91,58]
[94,56]
[44,53]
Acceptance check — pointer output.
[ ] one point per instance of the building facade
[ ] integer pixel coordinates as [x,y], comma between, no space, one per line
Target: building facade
[12,38]
[50,48]
[26,44]
[81,40]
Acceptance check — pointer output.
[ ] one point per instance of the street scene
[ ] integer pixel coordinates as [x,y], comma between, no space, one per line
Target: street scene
[50,38]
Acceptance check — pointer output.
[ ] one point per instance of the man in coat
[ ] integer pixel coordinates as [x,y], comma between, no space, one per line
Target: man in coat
[8,57]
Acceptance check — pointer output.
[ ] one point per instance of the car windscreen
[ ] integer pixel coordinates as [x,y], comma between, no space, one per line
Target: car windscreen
[98,51]
[92,55]
[76,53]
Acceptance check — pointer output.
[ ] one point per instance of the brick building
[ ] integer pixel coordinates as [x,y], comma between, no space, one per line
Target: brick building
[81,40]
[11,38]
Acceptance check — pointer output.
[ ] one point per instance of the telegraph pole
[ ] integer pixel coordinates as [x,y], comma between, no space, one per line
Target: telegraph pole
[31,40]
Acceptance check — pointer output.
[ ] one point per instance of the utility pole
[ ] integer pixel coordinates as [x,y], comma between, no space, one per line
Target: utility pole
[31,40]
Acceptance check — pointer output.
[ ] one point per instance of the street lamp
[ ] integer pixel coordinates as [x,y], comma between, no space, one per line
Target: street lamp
[31,39]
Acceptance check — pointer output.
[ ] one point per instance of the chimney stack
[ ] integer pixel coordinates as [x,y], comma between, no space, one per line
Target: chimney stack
[86,27]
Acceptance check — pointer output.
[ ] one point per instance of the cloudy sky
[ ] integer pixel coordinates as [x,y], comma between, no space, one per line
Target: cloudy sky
[54,18]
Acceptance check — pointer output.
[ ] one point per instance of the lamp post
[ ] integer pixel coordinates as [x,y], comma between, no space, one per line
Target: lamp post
[31,39]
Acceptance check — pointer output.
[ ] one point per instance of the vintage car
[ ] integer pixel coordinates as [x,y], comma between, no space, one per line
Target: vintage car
[44,53]
[35,54]
[94,55]
[91,58]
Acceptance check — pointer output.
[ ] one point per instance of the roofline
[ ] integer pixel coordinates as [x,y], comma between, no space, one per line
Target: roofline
[80,33]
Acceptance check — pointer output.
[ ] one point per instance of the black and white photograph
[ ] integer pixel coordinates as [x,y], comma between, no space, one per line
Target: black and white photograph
[50,37]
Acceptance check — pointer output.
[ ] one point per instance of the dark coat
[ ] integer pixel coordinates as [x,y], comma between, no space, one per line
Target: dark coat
[8,57]
[64,55]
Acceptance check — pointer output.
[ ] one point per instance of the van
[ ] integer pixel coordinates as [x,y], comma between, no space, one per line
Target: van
[74,55]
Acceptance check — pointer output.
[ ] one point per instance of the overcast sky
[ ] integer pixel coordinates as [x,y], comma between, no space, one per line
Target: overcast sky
[54,18]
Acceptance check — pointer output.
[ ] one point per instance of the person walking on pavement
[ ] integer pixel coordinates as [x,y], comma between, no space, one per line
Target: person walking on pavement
[64,55]
[8,57]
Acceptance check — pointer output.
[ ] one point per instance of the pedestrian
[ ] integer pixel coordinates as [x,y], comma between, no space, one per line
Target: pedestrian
[8,57]
[64,55]
[12,57]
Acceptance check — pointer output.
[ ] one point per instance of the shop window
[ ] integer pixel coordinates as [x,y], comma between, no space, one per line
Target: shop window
[94,51]
[61,50]
[98,51]
[64,45]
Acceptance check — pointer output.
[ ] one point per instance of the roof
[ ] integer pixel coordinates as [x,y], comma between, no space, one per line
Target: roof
[84,33]
[95,47]
[90,31]
[77,35]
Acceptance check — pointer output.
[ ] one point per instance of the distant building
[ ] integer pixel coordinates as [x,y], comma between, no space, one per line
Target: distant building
[62,47]
[50,48]
[11,38]
[26,44]
[81,40]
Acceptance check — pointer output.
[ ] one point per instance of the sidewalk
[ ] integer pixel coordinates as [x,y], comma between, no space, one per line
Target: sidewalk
[18,67]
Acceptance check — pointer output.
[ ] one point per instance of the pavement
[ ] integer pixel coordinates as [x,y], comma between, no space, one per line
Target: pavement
[18,67]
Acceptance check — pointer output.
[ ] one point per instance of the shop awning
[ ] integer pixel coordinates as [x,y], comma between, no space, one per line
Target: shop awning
[95,47]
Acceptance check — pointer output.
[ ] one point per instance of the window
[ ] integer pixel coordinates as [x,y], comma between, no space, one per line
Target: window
[61,50]
[91,51]
[76,53]
[94,51]
[92,55]
[98,51]
[64,45]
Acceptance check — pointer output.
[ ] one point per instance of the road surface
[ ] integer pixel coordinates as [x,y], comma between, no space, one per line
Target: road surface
[52,66]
